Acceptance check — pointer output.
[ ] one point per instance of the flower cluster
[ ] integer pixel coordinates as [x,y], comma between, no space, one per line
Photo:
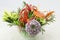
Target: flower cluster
[33,27]
[29,18]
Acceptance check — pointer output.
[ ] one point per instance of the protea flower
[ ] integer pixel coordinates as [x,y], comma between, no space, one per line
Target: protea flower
[33,27]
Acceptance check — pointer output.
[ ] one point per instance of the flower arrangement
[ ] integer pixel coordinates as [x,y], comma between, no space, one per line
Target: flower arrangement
[29,19]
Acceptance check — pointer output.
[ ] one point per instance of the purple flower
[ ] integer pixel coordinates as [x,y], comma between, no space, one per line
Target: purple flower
[33,27]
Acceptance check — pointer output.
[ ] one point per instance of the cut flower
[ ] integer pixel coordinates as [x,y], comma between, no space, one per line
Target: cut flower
[33,27]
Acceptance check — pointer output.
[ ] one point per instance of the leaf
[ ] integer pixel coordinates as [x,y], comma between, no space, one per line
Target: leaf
[42,20]
[10,24]
[6,13]
[24,3]
[30,15]
[19,10]
[42,30]
[11,18]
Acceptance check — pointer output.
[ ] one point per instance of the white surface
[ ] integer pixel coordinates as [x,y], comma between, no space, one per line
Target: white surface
[52,30]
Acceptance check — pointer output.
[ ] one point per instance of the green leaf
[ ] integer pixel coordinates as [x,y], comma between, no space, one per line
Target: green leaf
[42,21]
[24,4]
[30,15]
[19,10]
[11,18]
[42,30]
[10,24]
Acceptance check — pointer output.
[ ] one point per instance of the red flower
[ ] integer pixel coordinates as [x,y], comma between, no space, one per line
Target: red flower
[24,15]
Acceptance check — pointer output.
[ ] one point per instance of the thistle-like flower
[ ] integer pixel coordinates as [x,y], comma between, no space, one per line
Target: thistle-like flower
[33,27]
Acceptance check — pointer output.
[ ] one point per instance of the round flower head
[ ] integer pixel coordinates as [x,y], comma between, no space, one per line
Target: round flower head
[33,27]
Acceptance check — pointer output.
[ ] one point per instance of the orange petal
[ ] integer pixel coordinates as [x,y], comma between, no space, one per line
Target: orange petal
[49,14]
[38,14]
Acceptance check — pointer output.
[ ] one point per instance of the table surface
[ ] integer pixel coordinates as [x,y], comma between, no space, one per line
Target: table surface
[12,33]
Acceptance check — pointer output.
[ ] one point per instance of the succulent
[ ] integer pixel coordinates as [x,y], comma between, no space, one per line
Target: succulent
[33,27]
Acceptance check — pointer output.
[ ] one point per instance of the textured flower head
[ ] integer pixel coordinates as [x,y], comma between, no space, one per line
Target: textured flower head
[33,27]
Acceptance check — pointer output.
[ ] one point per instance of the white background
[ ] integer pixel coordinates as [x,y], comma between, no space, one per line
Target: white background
[12,33]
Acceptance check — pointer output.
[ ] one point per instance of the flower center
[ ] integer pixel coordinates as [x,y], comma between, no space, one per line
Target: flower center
[32,26]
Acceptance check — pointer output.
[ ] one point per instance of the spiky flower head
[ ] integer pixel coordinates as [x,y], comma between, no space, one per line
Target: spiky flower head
[33,27]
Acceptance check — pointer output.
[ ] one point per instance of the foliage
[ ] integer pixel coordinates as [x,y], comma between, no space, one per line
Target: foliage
[30,14]
[11,17]
[42,21]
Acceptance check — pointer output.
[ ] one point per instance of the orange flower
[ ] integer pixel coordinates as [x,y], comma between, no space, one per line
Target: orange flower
[38,14]
[49,14]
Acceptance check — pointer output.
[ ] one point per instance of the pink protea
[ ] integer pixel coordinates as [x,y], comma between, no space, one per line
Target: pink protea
[33,27]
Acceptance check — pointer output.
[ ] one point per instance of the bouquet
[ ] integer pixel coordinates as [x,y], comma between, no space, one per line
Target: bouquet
[29,19]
